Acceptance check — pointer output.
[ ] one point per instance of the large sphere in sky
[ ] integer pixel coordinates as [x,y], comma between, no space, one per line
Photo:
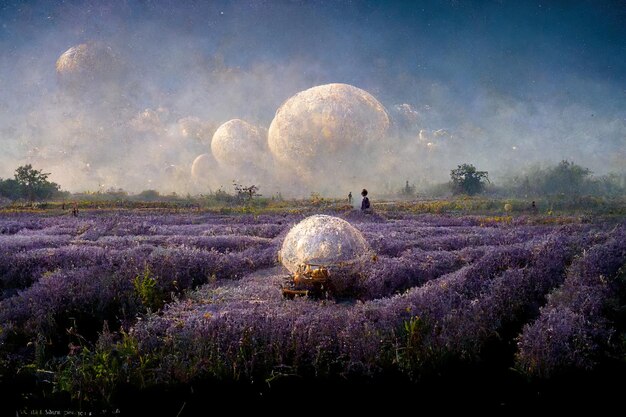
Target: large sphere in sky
[322,240]
[237,143]
[87,64]
[333,122]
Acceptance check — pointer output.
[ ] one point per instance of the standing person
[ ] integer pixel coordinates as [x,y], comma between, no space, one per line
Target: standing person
[365,203]
[350,198]
[75,209]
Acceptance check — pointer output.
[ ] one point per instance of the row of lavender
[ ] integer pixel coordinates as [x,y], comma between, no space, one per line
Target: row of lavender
[248,331]
[441,289]
[30,247]
[58,273]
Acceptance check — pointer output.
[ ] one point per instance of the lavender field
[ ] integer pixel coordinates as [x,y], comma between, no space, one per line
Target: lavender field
[106,306]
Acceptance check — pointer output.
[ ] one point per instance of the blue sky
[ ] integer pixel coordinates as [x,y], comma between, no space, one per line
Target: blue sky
[545,77]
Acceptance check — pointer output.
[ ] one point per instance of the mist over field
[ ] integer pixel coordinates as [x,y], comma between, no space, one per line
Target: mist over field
[498,84]
[276,203]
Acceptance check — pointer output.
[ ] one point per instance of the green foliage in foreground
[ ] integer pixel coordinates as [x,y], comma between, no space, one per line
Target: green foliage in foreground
[93,372]
[148,292]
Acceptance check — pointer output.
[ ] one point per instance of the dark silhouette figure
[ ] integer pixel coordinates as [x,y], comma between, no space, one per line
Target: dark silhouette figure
[365,204]
[350,198]
[75,209]
[533,207]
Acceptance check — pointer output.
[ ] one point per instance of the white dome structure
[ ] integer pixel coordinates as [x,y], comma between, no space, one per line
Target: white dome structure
[237,143]
[322,240]
[327,125]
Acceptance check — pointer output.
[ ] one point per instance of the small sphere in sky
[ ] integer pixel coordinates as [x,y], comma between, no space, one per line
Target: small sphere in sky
[202,167]
[322,240]
[237,143]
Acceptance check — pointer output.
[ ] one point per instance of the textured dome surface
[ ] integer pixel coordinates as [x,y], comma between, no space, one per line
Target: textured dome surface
[87,63]
[326,121]
[202,167]
[322,240]
[237,142]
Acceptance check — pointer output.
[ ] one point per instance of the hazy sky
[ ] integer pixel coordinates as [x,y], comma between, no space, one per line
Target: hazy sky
[510,82]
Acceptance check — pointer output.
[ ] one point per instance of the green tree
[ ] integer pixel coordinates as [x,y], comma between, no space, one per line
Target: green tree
[149,195]
[566,178]
[10,189]
[467,180]
[34,184]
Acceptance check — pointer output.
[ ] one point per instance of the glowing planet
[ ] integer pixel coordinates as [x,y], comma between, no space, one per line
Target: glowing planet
[87,64]
[332,122]
[203,166]
[237,143]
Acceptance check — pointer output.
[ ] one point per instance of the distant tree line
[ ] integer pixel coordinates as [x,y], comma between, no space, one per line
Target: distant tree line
[563,180]
[566,179]
[29,184]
